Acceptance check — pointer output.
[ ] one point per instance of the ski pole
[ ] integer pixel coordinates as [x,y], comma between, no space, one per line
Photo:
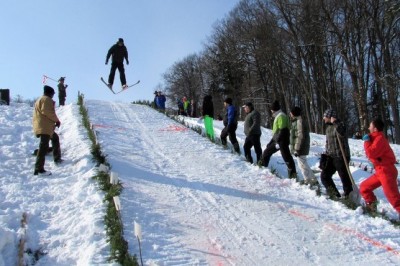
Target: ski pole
[140,251]
[357,198]
[345,160]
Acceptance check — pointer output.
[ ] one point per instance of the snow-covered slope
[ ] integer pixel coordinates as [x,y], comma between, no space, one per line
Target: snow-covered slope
[64,211]
[197,203]
[200,204]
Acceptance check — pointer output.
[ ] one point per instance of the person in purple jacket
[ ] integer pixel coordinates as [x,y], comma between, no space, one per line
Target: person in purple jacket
[230,123]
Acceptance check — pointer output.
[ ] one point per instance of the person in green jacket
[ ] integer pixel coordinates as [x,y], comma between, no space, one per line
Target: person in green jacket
[300,145]
[280,140]
[186,106]
[208,114]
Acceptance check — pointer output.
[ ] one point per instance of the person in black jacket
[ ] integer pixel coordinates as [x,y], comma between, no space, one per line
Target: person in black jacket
[62,91]
[118,52]
[335,131]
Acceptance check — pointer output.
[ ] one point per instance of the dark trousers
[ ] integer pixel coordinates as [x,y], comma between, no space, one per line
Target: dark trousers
[229,131]
[44,147]
[114,66]
[336,164]
[285,152]
[55,143]
[250,141]
[61,100]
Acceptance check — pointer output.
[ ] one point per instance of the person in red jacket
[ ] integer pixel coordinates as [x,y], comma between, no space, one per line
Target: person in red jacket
[381,155]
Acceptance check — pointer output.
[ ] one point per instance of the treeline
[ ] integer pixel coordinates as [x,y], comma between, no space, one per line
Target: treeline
[316,54]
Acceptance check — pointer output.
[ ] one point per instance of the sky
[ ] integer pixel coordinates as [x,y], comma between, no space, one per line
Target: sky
[196,202]
[71,39]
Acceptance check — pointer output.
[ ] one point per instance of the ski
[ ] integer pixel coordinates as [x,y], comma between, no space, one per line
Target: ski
[127,87]
[105,83]
[123,89]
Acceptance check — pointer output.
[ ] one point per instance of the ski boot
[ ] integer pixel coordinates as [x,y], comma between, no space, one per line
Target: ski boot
[371,208]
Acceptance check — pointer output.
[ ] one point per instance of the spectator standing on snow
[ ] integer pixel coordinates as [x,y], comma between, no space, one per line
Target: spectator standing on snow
[280,140]
[230,125]
[62,91]
[335,131]
[381,155]
[44,122]
[180,107]
[252,130]
[208,115]
[55,146]
[300,145]
[155,101]
[193,108]
[186,106]
[118,52]
[161,101]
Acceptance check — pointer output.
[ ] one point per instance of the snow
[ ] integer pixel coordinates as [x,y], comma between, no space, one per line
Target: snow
[196,202]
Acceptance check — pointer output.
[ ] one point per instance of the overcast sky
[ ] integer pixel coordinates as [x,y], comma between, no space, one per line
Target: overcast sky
[71,38]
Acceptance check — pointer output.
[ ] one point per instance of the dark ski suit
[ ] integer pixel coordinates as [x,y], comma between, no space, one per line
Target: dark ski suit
[118,52]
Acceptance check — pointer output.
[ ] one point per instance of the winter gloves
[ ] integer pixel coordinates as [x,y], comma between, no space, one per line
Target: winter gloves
[366,137]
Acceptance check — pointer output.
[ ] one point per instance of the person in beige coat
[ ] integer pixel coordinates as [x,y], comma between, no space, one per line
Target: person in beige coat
[44,122]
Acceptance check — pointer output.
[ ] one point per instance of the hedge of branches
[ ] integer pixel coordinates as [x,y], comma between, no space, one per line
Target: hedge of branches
[113,223]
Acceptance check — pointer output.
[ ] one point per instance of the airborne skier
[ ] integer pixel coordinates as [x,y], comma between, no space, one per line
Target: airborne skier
[118,52]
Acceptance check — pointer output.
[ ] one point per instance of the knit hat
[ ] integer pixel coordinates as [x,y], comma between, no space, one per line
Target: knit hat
[296,111]
[275,106]
[48,91]
[228,101]
[121,40]
[330,113]
[62,78]
[250,105]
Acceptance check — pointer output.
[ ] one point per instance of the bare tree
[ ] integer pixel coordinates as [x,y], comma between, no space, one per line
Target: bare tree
[317,54]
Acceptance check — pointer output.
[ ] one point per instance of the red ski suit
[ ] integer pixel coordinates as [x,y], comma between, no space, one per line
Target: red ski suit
[382,157]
